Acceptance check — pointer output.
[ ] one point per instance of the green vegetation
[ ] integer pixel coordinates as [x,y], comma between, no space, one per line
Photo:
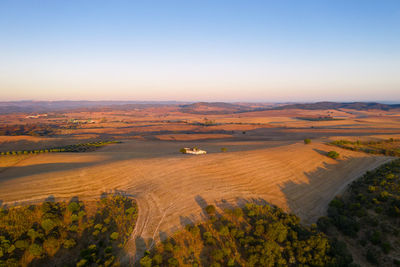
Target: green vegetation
[333,154]
[206,122]
[84,147]
[182,150]
[307,141]
[369,215]
[71,234]
[210,209]
[321,118]
[257,235]
[34,129]
[224,149]
[389,147]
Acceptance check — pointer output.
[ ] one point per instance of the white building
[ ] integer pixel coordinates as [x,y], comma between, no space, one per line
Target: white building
[195,151]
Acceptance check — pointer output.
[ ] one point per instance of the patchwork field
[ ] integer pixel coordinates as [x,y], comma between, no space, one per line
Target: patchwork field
[264,161]
[171,189]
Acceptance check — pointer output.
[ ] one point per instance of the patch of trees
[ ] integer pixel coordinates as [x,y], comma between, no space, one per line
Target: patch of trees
[84,147]
[66,234]
[321,118]
[256,235]
[307,141]
[333,154]
[369,215]
[389,147]
[206,122]
[29,129]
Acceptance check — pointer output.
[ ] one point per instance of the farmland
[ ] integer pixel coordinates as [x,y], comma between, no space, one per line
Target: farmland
[252,157]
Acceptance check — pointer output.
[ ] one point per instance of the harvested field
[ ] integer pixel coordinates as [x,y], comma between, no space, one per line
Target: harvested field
[186,137]
[171,189]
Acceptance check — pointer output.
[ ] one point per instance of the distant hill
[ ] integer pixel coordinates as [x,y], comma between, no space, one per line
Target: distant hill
[337,105]
[214,108]
[206,108]
[8,107]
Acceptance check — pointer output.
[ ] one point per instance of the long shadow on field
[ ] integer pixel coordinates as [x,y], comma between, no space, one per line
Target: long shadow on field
[309,200]
[21,171]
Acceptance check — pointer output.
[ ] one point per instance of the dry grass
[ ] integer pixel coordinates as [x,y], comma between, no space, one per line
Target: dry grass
[171,189]
[269,162]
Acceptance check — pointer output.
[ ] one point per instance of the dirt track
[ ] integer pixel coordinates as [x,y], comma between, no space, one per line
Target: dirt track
[172,189]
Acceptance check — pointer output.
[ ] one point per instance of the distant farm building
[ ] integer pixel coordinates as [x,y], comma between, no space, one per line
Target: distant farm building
[36,116]
[194,150]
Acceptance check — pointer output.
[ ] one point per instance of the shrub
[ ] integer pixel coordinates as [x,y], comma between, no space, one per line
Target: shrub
[73,207]
[21,244]
[130,211]
[69,243]
[307,141]
[182,150]
[114,236]
[217,254]
[157,259]
[224,149]
[73,228]
[74,218]
[145,261]
[48,225]
[173,262]
[81,214]
[237,212]
[333,154]
[36,250]
[81,263]
[210,209]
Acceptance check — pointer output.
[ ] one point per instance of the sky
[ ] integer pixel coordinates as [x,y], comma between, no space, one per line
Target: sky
[200,50]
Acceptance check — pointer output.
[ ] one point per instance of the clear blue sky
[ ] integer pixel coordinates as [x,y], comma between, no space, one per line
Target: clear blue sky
[200,50]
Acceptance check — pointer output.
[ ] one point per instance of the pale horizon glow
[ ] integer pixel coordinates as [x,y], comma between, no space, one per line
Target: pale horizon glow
[256,51]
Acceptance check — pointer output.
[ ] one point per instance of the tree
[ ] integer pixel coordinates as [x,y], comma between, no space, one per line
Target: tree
[210,209]
[307,141]
[36,250]
[114,236]
[48,225]
[333,154]
[145,261]
[73,207]
[69,243]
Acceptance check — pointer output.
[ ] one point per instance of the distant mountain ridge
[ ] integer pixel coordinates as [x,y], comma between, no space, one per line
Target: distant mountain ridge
[337,105]
[214,108]
[7,107]
[205,108]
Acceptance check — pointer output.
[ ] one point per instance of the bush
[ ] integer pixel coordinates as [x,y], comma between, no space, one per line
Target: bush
[114,236]
[224,149]
[182,150]
[173,262]
[333,154]
[74,218]
[307,141]
[145,261]
[81,263]
[210,209]
[69,243]
[48,225]
[73,207]
[36,250]
[22,244]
